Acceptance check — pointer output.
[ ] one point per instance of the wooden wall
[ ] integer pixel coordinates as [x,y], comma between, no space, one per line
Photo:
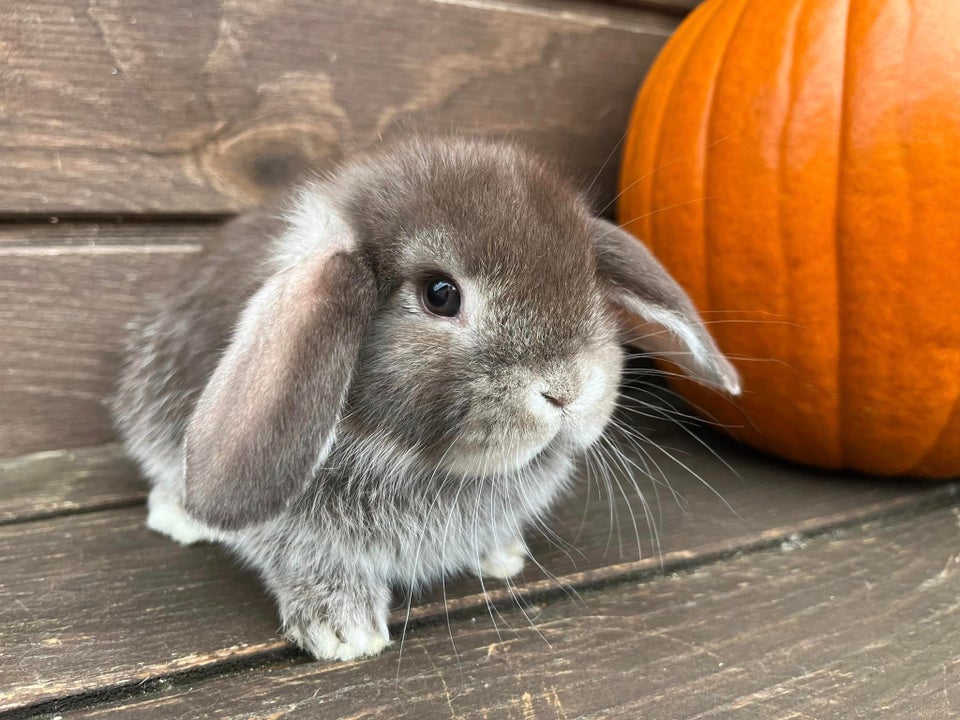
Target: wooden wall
[129,129]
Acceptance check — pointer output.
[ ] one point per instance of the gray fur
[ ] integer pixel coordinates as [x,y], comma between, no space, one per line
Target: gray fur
[291,393]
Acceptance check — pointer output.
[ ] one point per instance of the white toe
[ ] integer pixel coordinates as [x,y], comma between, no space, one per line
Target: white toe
[505,562]
[321,640]
[166,517]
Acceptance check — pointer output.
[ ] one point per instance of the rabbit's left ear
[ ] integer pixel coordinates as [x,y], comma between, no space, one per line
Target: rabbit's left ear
[268,415]
[662,319]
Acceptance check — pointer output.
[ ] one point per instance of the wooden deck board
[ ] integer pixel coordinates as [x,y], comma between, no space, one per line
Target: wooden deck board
[63,310]
[107,236]
[196,109]
[679,7]
[95,601]
[59,482]
[203,106]
[864,623]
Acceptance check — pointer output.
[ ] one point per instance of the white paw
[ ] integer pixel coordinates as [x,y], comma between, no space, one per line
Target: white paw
[166,517]
[505,562]
[320,639]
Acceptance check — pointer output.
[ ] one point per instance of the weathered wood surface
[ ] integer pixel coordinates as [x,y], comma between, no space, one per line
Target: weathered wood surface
[206,106]
[861,624]
[95,601]
[678,7]
[63,309]
[52,237]
[194,110]
[58,482]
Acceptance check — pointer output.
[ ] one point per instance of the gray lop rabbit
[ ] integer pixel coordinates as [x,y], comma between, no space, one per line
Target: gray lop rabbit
[388,385]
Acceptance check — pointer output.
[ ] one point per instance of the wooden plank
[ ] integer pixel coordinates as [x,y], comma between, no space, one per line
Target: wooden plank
[95,601]
[678,7]
[205,106]
[88,589]
[16,237]
[59,482]
[63,310]
[618,11]
[66,291]
[861,624]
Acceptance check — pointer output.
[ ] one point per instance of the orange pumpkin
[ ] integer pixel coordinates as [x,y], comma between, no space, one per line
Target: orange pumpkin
[796,165]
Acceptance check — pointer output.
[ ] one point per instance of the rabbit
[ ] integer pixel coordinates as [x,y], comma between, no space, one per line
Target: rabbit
[386,384]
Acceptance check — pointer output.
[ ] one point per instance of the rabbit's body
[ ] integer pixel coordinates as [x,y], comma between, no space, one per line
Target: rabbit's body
[411,540]
[172,352]
[395,389]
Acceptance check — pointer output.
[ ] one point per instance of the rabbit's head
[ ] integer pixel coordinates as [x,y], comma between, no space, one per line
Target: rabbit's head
[439,304]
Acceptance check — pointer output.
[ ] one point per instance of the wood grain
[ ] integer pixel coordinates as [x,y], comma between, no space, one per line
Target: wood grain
[63,310]
[54,235]
[862,624]
[58,482]
[678,7]
[206,106]
[95,601]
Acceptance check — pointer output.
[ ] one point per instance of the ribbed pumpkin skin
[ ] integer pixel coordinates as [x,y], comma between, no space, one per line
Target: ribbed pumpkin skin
[796,165]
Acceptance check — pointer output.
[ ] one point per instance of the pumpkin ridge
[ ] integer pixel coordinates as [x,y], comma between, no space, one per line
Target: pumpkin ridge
[708,142]
[824,135]
[788,353]
[837,235]
[634,170]
[805,343]
[944,441]
[668,96]
[705,167]
[947,426]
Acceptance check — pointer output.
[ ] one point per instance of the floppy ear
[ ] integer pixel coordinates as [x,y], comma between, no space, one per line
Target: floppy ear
[662,319]
[267,416]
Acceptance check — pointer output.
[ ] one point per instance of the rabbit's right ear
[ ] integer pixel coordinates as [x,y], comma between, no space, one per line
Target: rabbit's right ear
[267,416]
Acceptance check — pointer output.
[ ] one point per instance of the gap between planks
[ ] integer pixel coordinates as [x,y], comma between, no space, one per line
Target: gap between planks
[37,221]
[581,14]
[145,249]
[778,500]
[860,622]
[278,653]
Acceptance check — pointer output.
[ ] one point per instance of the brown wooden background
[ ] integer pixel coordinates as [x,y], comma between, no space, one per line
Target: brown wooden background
[130,128]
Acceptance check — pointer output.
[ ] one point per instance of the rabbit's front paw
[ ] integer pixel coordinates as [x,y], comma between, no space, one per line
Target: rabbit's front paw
[504,562]
[325,641]
[337,618]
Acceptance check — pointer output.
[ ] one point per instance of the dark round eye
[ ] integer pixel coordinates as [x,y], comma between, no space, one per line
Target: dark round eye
[441,296]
